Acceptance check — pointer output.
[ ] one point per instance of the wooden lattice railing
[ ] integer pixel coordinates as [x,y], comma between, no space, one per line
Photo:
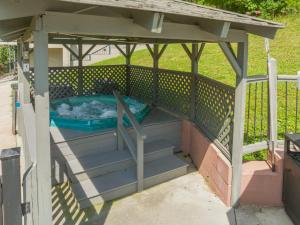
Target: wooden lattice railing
[211,109]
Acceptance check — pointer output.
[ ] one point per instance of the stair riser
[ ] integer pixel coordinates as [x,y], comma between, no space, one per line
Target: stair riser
[98,171]
[132,188]
[108,196]
[108,141]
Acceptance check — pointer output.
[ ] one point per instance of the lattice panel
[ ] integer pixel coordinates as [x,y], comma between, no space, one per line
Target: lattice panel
[215,110]
[175,91]
[104,79]
[63,81]
[141,83]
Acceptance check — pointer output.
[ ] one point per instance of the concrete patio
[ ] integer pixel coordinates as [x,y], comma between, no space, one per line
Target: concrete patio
[184,201]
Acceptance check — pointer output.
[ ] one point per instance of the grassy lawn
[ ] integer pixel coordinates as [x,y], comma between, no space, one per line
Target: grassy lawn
[285,48]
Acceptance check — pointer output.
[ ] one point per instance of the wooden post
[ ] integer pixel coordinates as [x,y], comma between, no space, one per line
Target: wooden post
[25,61]
[194,70]
[194,56]
[128,62]
[156,76]
[43,156]
[272,68]
[11,187]
[80,71]
[238,129]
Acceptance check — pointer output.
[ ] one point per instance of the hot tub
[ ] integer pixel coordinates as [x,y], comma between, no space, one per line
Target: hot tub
[90,113]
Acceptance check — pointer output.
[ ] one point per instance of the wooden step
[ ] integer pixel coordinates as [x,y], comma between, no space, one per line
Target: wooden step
[94,165]
[121,183]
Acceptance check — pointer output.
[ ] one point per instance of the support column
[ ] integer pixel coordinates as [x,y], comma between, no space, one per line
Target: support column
[25,64]
[43,156]
[194,70]
[155,67]
[128,62]
[239,117]
[156,55]
[194,56]
[80,71]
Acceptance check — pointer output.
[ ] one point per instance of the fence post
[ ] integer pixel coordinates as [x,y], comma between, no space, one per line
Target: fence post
[11,187]
[272,67]
[14,88]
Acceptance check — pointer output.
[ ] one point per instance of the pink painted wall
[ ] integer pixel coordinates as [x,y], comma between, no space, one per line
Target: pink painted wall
[211,163]
[259,185]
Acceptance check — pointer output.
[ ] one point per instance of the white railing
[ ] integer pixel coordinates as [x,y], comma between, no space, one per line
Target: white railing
[137,150]
[27,129]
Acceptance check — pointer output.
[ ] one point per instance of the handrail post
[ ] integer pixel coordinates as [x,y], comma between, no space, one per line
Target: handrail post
[120,140]
[14,89]
[272,67]
[11,187]
[140,163]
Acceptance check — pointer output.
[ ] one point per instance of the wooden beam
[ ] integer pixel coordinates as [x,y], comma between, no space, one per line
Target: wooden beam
[187,50]
[104,26]
[227,50]
[238,121]
[88,51]
[218,28]
[71,51]
[150,50]
[162,50]
[43,155]
[152,21]
[132,49]
[199,54]
[121,50]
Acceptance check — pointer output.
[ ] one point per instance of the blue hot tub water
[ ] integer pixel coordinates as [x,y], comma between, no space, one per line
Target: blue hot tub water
[90,113]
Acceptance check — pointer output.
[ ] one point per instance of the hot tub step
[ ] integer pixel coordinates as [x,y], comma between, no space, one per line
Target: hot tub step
[121,183]
[93,165]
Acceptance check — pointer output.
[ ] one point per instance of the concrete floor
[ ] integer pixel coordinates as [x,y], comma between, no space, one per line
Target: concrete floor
[184,201]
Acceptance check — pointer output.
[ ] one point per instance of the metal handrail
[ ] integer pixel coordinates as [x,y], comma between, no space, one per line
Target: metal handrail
[123,136]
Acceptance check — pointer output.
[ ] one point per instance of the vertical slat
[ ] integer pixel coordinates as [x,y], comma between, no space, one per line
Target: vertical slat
[140,162]
[286,107]
[255,111]
[248,113]
[43,156]
[261,110]
[11,186]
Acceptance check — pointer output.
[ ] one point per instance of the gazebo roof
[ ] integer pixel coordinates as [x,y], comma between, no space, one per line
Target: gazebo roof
[16,18]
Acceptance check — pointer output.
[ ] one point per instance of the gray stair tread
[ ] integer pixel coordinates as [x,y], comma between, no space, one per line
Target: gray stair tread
[99,185]
[87,162]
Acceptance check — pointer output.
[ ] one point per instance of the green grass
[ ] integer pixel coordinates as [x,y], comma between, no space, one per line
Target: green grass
[285,48]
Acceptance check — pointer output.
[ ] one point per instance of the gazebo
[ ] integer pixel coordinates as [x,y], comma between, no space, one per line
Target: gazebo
[215,109]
